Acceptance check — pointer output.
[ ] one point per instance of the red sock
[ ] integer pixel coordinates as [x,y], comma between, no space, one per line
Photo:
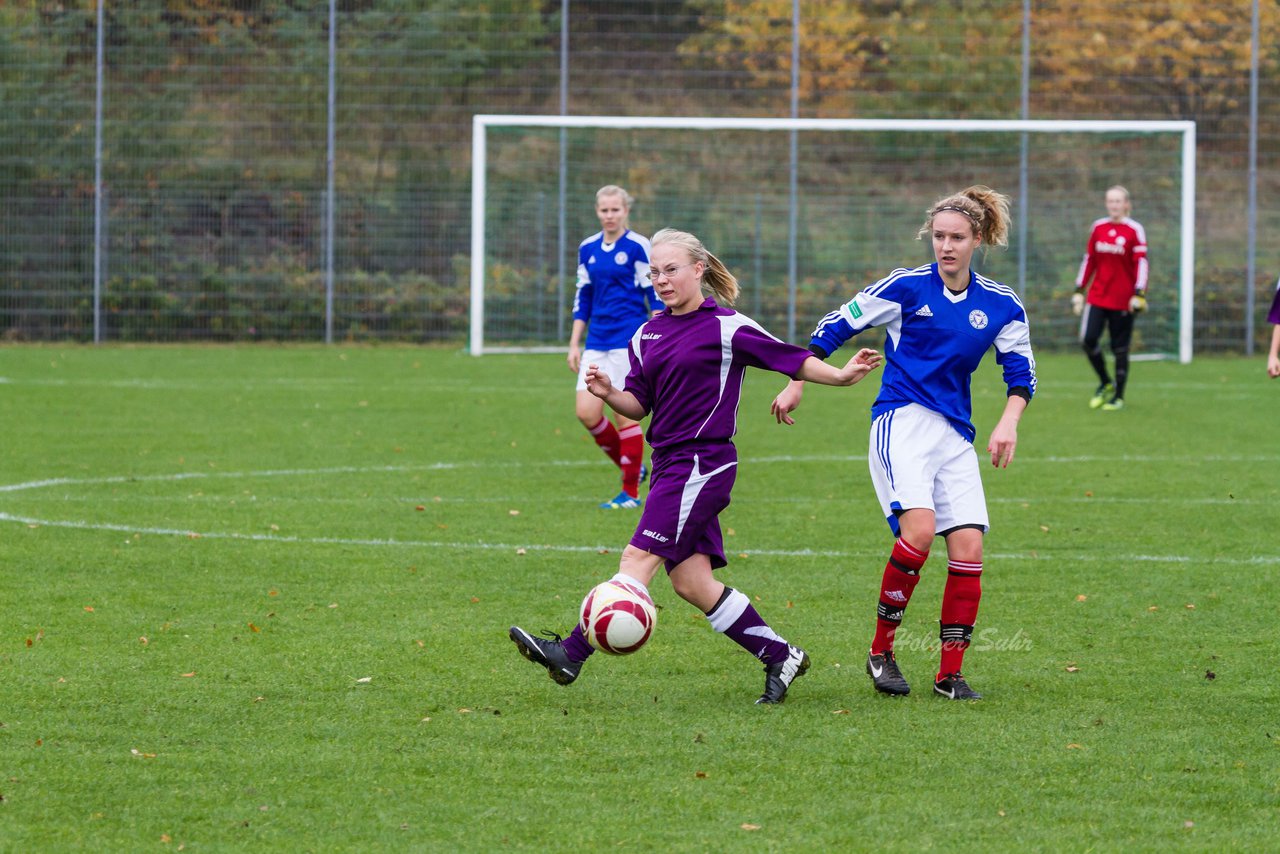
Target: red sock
[959,612]
[901,575]
[631,440]
[606,436]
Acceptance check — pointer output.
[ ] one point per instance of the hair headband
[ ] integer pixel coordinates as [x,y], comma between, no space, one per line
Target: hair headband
[971,217]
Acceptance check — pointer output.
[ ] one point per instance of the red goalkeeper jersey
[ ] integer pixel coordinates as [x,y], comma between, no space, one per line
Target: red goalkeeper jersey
[1116,260]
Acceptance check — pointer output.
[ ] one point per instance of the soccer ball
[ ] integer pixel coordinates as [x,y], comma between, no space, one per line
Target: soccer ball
[617,617]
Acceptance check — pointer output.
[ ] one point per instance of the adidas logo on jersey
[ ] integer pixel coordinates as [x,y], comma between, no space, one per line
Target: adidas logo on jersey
[924,312]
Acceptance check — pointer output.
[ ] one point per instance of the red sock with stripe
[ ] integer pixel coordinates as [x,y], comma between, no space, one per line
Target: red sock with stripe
[631,441]
[901,575]
[606,436]
[959,612]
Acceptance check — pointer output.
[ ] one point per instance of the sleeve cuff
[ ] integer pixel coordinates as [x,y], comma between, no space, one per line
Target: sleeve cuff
[1020,391]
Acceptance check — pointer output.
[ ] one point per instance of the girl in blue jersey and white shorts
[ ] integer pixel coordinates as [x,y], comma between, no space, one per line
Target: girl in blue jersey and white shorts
[612,299]
[940,320]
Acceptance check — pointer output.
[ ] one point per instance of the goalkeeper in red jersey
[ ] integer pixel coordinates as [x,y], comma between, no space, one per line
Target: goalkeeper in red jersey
[1116,262]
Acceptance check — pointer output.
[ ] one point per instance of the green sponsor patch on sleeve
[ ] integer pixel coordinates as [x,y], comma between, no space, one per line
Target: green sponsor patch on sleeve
[854,309]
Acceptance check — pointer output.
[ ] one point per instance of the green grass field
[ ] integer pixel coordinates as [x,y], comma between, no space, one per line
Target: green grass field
[257,597]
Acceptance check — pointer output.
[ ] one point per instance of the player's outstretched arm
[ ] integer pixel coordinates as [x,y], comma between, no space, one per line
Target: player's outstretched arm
[1004,438]
[621,402]
[863,362]
[1273,357]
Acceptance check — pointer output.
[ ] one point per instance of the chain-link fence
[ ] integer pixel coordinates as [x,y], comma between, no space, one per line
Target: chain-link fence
[165,175]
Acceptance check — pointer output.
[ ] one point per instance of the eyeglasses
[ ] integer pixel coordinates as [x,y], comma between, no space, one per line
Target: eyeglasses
[669,272]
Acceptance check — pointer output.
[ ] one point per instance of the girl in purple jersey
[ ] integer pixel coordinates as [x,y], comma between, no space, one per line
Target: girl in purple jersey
[687,367]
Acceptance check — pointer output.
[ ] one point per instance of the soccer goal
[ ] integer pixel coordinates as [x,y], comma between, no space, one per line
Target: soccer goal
[808,211]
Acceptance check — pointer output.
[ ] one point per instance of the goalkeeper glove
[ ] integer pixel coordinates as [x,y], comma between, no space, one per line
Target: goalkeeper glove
[1137,303]
[1077,303]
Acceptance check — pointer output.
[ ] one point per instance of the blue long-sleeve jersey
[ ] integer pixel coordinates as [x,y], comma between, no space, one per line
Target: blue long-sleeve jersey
[613,286]
[935,340]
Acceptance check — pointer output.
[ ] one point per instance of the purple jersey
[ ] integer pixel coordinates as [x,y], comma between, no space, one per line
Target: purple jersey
[1274,316]
[687,370]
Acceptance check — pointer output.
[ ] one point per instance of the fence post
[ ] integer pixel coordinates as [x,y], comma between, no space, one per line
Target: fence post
[98,213]
[329,192]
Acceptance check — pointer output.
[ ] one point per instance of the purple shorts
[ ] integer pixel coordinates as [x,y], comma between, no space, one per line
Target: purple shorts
[690,486]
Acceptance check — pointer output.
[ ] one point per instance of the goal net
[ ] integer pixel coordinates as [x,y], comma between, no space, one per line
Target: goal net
[808,211]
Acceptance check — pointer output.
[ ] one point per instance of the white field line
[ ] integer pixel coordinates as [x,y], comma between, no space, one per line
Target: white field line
[481,545]
[507,464]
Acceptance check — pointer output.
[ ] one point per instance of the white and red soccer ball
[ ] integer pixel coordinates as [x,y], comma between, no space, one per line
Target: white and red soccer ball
[618,617]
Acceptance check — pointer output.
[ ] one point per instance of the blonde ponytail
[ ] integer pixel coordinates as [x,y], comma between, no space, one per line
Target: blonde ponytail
[986,210]
[715,275]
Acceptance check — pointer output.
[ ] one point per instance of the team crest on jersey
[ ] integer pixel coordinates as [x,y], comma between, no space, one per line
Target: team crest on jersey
[978,319]
[620,258]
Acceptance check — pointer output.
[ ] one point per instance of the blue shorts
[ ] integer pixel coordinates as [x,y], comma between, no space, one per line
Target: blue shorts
[689,487]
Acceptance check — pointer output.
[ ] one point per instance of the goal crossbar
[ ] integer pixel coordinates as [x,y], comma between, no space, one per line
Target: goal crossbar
[1187,129]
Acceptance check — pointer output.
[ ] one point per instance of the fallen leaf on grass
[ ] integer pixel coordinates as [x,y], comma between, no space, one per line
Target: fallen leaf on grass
[1153,608]
[1210,675]
[700,775]
[188,675]
[1190,607]
[136,752]
[365,679]
[420,507]
[750,826]
[513,512]
[1188,824]
[1074,746]
[89,608]
[254,628]
[1071,668]
[143,640]
[522,551]
[1081,598]
[841,712]
[1044,528]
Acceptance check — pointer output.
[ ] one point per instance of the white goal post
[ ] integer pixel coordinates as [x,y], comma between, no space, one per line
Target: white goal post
[1187,130]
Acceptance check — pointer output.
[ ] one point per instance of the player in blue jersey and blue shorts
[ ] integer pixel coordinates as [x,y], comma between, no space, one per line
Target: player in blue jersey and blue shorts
[686,371]
[612,299]
[939,322]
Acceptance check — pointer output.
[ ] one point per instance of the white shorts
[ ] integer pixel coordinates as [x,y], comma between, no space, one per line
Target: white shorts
[616,363]
[918,460]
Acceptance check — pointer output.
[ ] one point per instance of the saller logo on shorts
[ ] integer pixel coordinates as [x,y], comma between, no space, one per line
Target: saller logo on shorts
[655,535]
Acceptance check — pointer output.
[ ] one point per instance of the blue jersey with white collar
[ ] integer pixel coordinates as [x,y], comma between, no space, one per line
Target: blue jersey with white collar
[613,286]
[935,339]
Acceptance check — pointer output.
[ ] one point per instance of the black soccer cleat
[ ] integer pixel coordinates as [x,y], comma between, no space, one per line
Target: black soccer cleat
[953,687]
[885,675]
[779,675]
[549,653]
